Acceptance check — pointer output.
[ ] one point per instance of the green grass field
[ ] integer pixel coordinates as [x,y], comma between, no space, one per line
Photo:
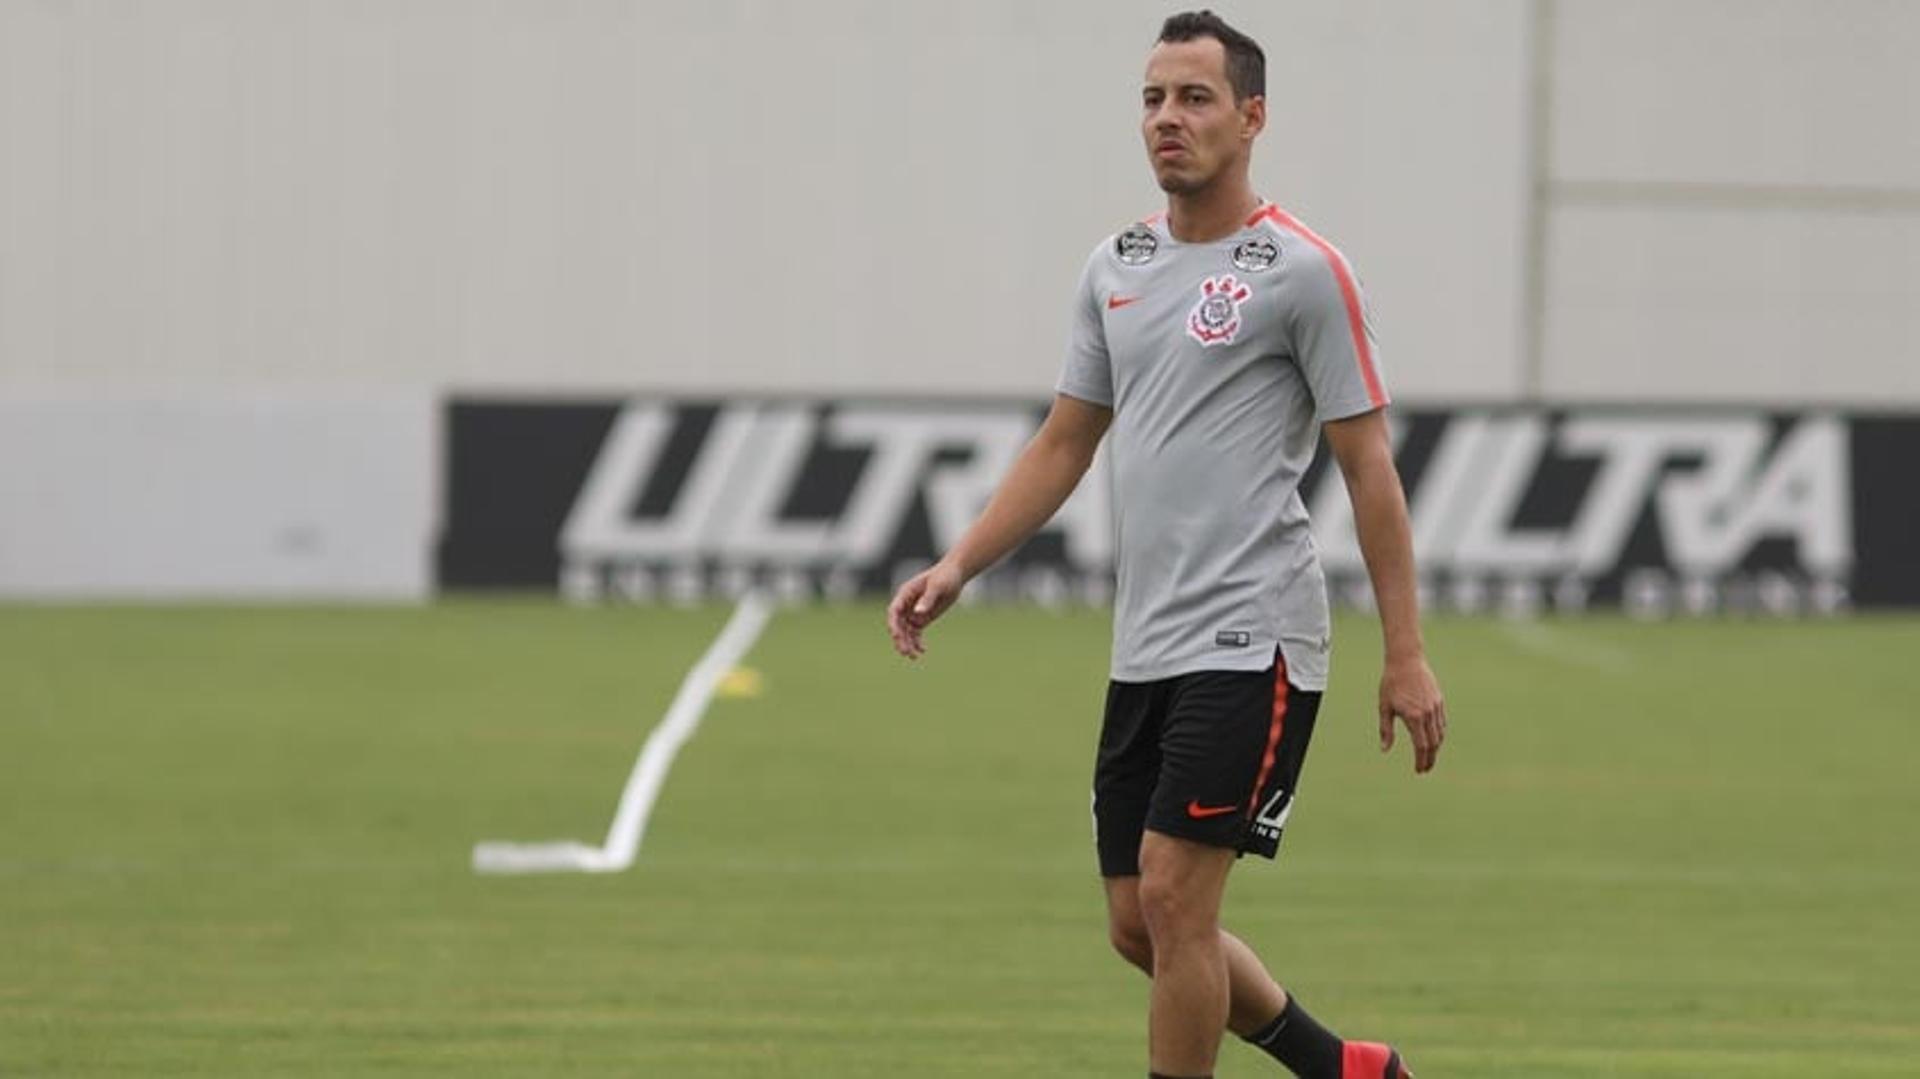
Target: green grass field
[236,843]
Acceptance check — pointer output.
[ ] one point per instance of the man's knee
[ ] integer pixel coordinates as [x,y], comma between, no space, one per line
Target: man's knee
[1126,930]
[1130,938]
[1169,908]
[1180,887]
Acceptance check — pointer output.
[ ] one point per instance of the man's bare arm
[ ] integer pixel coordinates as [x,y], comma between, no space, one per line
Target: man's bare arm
[1408,689]
[1040,480]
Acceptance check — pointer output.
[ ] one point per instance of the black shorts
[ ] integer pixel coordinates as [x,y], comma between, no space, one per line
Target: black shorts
[1212,756]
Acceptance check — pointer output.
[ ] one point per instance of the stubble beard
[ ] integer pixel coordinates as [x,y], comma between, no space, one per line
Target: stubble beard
[1175,183]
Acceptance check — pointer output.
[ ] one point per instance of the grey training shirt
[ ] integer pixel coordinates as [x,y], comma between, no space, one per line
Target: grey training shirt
[1220,361]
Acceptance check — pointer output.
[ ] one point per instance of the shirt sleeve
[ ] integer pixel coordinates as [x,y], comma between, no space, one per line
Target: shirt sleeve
[1333,340]
[1088,372]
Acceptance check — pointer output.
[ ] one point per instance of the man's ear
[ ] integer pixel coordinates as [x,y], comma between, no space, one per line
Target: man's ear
[1253,116]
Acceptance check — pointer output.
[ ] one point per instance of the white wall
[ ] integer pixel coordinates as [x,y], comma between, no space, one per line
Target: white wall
[847,195]
[1735,208]
[168,496]
[857,196]
[1800,92]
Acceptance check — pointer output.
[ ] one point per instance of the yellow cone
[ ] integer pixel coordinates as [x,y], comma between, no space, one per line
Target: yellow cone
[741,682]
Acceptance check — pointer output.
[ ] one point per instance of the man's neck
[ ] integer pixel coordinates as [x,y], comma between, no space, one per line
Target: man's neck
[1211,213]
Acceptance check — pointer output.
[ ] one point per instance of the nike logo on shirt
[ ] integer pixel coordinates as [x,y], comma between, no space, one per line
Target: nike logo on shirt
[1117,301]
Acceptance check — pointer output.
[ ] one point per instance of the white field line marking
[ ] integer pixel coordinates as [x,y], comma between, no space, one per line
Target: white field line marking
[1531,635]
[649,771]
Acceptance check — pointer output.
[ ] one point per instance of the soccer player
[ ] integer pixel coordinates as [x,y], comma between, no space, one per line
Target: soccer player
[1212,342]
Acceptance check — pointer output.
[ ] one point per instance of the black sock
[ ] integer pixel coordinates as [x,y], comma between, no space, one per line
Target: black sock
[1297,1040]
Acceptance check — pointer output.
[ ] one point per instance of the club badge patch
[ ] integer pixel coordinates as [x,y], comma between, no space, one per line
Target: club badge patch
[1256,254]
[1136,246]
[1215,320]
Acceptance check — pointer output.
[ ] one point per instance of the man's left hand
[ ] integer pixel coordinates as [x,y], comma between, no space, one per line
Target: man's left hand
[1409,690]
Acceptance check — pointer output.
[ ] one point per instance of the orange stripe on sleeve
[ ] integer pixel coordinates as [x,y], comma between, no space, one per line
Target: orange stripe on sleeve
[1349,294]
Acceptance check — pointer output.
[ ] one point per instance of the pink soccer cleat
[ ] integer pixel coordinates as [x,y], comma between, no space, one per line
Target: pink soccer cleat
[1371,1060]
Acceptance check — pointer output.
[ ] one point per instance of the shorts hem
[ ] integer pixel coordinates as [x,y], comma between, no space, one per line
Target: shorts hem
[1198,832]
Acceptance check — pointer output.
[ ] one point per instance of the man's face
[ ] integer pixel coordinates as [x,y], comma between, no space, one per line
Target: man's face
[1193,129]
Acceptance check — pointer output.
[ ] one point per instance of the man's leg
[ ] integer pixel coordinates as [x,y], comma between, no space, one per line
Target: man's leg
[1259,1010]
[1166,865]
[1181,885]
[1254,998]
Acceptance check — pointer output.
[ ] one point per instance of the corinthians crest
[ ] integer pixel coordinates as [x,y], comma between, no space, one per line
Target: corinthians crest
[1215,320]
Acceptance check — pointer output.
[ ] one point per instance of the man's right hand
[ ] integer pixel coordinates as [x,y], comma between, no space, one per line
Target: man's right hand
[1040,480]
[921,600]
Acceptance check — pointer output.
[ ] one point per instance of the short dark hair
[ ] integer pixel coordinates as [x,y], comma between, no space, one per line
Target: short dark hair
[1246,61]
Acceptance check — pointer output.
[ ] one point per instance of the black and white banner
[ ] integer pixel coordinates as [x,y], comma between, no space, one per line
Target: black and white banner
[1660,511]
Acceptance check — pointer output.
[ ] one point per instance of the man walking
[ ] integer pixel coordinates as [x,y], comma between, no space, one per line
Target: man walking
[1214,342]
